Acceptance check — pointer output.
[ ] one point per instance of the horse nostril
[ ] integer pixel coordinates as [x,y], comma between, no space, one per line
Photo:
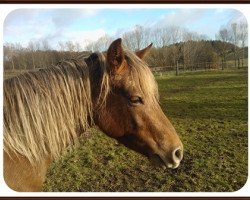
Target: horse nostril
[177,154]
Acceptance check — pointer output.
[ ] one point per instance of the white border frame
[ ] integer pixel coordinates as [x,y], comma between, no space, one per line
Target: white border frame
[5,191]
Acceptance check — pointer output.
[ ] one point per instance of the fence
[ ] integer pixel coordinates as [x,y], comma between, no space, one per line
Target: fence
[203,66]
[178,68]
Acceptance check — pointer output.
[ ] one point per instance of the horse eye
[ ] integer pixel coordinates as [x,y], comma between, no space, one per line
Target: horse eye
[135,100]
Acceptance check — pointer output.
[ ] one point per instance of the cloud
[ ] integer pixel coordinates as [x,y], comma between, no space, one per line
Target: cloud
[21,15]
[29,28]
[81,37]
[181,17]
[85,35]
[53,25]
[237,17]
[26,22]
[78,25]
[62,17]
[58,18]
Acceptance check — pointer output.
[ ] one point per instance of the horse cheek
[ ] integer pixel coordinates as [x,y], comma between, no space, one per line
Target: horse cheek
[108,122]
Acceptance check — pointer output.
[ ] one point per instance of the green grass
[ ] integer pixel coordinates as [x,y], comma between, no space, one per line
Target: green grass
[208,110]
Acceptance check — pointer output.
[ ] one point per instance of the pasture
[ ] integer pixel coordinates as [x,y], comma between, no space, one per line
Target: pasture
[209,112]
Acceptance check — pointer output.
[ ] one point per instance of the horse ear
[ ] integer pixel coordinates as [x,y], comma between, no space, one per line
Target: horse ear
[142,53]
[115,57]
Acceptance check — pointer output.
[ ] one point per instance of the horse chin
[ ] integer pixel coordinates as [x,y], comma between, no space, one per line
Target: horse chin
[159,162]
[133,143]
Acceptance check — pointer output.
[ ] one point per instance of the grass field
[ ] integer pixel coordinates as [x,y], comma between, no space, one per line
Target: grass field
[208,110]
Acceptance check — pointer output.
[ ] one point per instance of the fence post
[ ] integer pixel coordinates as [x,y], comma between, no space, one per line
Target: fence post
[177,68]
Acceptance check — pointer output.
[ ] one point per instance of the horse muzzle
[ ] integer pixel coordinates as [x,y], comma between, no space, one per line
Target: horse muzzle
[169,160]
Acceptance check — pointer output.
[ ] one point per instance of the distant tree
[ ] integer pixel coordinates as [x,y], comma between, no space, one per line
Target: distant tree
[31,47]
[45,45]
[137,38]
[235,40]
[77,47]
[191,48]
[162,36]
[224,37]
[100,45]
[70,46]
[175,35]
[243,36]
[9,54]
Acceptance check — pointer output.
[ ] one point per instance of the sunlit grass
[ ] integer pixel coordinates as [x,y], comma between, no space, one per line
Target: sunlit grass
[209,111]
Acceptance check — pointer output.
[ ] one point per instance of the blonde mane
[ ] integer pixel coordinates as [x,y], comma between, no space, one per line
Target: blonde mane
[141,72]
[45,111]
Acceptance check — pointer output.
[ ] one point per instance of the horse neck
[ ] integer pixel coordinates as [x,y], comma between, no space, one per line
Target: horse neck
[99,82]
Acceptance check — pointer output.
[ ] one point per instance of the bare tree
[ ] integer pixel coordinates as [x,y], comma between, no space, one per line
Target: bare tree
[175,35]
[22,57]
[45,56]
[135,39]
[129,40]
[89,46]
[224,37]
[162,36]
[70,46]
[61,46]
[100,45]
[77,47]
[31,47]
[243,36]
[10,53]
[45,45]
[235,41]
[190,48]
[138,34]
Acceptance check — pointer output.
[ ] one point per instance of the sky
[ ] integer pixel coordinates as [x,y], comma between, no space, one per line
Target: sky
[84,25]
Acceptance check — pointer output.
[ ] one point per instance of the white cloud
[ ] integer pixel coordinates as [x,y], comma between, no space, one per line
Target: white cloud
[237,17]
[81,37]
[62,17]
[53,25]
[29,27]
[56,25]
[33,19]
[181,17]
[21,15]
[84,35]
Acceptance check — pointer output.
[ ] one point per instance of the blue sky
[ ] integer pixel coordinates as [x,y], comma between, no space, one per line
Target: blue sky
[83,25]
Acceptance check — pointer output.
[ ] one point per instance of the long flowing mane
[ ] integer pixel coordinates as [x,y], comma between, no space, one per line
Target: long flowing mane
[46,110]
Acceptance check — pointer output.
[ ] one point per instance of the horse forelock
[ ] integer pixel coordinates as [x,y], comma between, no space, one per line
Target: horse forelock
[141,72]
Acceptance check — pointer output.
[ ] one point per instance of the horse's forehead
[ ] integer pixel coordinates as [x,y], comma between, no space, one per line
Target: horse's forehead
[124,81]
[132,84]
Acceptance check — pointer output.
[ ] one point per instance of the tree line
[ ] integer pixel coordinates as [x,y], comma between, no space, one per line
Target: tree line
[173,46]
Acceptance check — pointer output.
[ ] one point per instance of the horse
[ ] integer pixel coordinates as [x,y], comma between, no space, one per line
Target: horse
[45,112]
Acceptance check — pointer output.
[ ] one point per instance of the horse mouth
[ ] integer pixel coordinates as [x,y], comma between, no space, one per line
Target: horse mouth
[159,162]
[131,142]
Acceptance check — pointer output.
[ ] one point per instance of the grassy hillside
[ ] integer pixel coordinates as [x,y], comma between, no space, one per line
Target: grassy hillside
[208,110]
